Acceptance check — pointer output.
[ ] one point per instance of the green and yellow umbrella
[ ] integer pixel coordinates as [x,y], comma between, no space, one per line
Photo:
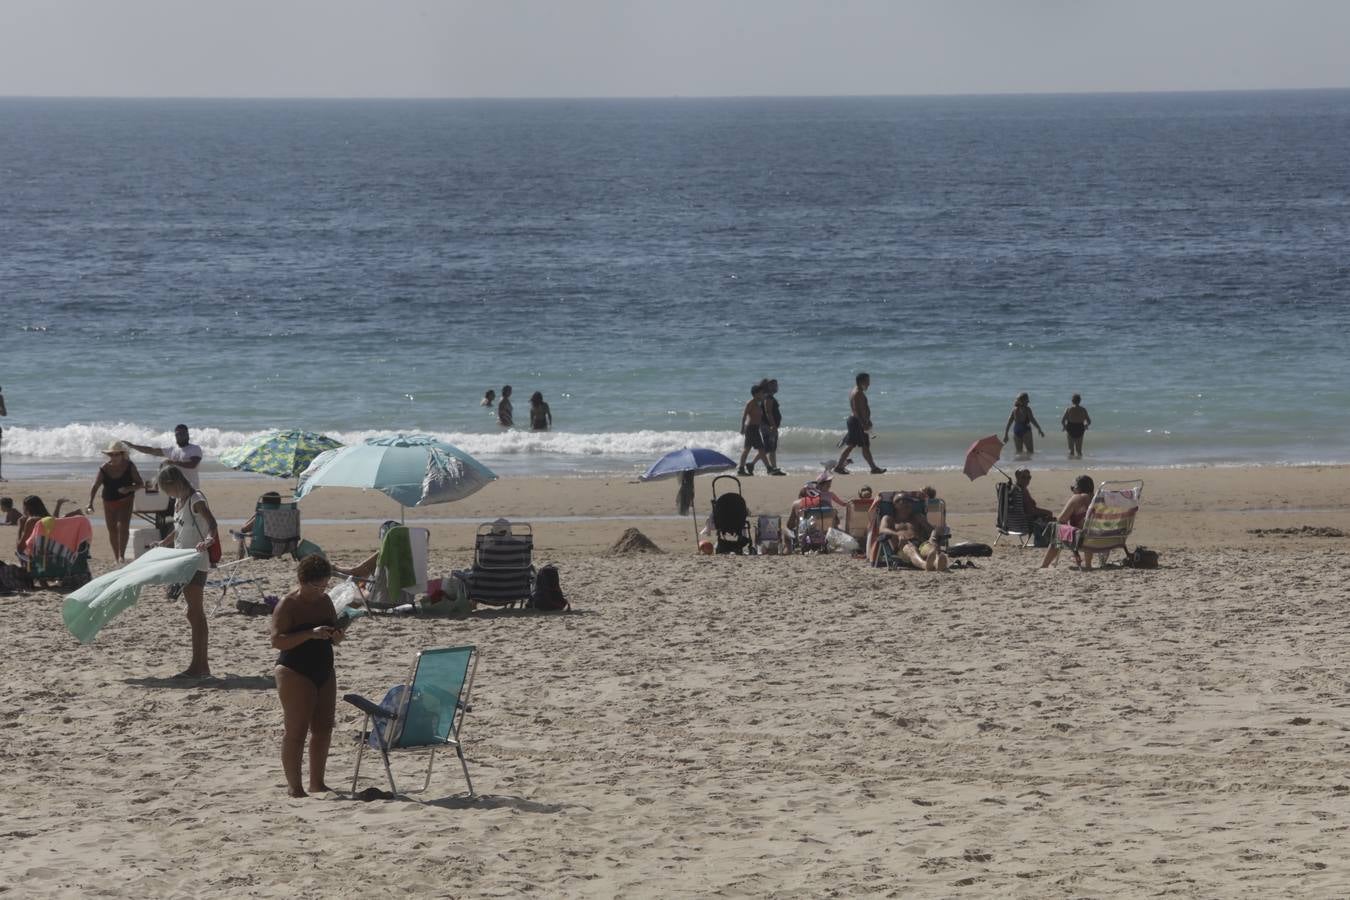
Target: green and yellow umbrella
[284,454]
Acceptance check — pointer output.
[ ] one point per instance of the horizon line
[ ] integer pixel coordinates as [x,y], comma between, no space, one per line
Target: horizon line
[588,97]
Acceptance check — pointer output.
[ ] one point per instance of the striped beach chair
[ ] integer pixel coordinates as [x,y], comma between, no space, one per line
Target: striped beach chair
[503,564]
[1109,522]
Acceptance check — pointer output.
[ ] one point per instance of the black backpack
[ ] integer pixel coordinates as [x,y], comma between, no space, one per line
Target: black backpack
[548,595]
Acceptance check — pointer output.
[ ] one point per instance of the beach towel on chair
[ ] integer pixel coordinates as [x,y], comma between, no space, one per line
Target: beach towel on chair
[59,540]
[396,561]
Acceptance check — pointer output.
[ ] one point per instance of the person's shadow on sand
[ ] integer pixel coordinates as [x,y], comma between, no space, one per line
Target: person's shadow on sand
[211,682]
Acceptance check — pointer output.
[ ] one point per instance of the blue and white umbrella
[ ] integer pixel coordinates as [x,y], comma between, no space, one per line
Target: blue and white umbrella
[689,459]
[413,469]
[686,463]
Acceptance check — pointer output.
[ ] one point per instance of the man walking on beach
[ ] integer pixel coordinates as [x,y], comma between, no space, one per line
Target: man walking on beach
[185,455]
[752,418]
[859,425]
[773,420]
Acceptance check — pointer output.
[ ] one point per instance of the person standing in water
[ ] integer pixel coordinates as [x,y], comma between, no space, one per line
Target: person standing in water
[505,416]
[489,398]
[1021,420]
[859,426]
[1075,422]
[541,417]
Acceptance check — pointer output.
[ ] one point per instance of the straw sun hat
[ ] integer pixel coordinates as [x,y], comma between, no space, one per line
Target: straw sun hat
[115,447]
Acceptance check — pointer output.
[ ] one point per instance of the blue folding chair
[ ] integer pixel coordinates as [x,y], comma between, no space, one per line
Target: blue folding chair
[426,712]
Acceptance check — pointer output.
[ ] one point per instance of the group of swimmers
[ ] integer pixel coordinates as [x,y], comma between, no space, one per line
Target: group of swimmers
[541,417]
[1075,422]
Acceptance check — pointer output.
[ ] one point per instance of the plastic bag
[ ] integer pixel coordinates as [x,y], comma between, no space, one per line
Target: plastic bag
[345,595]
[840,541]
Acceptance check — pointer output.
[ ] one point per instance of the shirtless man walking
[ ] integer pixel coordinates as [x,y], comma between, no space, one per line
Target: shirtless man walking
[752,418]
[859,425]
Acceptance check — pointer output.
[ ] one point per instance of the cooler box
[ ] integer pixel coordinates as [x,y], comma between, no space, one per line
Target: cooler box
[142,539]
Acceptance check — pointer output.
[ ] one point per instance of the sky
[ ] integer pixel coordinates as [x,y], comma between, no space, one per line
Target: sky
[644,48]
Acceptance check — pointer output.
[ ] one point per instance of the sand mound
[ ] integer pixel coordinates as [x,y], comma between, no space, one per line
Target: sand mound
[633,541]
[1302,531]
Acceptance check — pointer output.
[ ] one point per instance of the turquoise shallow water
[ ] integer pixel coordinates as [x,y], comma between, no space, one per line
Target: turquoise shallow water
[368,267]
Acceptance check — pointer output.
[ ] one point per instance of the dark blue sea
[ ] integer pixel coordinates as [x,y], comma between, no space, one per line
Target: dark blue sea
[369,267]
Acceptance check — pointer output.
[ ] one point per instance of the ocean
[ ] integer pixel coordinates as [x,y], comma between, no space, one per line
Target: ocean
[369,267]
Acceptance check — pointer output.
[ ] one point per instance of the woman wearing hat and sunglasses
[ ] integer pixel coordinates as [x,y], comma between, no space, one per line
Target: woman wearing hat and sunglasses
[119,480]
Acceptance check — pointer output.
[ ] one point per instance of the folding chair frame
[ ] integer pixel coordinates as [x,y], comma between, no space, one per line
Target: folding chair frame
[1023,538]
[375,711]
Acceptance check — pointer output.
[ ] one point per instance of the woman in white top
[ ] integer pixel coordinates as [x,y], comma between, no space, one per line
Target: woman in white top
[194,527]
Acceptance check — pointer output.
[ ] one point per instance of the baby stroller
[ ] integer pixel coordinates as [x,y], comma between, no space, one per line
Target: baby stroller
[731,518]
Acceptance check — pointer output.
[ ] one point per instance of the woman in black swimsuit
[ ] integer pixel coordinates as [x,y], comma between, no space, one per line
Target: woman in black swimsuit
[120,481]
[304,629]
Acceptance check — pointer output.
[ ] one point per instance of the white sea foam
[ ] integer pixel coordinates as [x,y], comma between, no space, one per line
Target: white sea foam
[85,441]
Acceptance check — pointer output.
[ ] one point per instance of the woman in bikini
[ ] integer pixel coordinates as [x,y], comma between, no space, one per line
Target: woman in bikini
[541,417]
[1021,420]
[120,481]
[304,629]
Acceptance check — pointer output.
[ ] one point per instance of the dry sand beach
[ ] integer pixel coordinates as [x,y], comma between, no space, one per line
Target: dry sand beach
[728,726]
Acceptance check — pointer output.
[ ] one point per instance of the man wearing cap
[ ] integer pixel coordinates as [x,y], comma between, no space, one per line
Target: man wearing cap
[185,455]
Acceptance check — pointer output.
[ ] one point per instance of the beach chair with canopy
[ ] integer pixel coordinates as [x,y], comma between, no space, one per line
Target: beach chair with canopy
[1011,520]
[503,564]
[426,712]
[1109,521]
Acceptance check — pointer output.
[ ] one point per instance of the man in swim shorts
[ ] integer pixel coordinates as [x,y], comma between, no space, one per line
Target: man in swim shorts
[858,425]
[752,418]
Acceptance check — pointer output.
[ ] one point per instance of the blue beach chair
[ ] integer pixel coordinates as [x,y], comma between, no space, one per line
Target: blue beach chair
[428,711]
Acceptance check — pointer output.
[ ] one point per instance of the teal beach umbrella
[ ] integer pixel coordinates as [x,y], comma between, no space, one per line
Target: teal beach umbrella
[413,469]
[284,454]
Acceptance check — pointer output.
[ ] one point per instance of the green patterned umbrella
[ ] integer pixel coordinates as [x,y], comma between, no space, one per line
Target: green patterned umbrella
[282,453]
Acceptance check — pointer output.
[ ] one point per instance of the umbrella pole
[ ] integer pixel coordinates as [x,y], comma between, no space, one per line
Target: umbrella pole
[693,516]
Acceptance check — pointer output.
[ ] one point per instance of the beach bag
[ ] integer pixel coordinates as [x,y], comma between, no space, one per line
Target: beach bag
[14,579]
[547,594]
[970,548]
[1142,558]
[840,541]
[214,552]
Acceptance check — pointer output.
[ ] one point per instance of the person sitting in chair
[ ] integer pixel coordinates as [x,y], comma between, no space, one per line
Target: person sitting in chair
[1074,513]
[1038,517]
[817,495]
[909,534]
[244,535]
